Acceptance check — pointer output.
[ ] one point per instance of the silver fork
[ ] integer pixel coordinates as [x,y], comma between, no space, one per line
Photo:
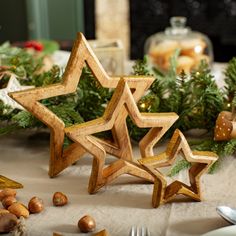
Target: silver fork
[139,231]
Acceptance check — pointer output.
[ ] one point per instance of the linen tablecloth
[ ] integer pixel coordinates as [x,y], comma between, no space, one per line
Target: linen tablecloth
[118,206]
[125,202]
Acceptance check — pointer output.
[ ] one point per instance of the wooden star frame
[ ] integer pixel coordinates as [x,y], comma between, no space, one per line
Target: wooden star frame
[200,163]
[82,134]
[8,183]
[81,55]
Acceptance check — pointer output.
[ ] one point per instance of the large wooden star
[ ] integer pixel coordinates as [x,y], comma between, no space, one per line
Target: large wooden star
[200,163]
[81,55]
[81,133]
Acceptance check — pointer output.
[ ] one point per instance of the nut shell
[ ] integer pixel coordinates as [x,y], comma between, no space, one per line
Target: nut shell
[4,211]
[8,201]
[35,205]
[87,224]
[18,210]
[7,192]
[8,222]
[59,199]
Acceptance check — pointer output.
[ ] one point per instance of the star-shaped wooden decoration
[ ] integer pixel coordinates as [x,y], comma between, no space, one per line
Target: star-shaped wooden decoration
[82,134]
[12,86]
[200,162]
[8,183]
[81,54]
[121,146]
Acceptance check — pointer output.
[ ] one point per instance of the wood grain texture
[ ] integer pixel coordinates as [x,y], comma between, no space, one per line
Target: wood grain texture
[82,133]
[200,163]
[81,55]
[9,183]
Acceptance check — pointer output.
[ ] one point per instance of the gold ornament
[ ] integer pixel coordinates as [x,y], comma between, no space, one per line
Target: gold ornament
[8,183]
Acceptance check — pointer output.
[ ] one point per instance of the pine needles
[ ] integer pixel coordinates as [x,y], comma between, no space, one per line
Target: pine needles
[195,98]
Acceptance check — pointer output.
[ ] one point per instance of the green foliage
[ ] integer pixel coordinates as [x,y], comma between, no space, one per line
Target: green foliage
[180,165]
[67,113]
[230,79]
[4,111]
[222,149]
[50,77]
[20,62]
[141,67]
[195,98]
[202,100]
[92,97]
[23,119]
[8,128]
[49,46]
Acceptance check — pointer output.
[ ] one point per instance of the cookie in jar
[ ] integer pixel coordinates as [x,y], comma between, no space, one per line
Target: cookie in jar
[190,47]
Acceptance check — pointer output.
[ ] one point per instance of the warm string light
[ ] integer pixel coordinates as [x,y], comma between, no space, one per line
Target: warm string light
[142,105]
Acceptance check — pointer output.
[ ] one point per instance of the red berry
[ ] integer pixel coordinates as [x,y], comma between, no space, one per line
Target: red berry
[34,44]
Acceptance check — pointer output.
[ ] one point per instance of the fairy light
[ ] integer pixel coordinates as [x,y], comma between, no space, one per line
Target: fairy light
[198,49]
[143,105]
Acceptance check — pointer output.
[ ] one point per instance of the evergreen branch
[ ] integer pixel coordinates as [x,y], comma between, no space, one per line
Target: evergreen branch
[197,100]
[23,119]
[179,166]
[230,79]
[9,128]
[141,67]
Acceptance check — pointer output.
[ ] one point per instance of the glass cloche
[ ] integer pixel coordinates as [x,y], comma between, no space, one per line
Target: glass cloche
[192,46]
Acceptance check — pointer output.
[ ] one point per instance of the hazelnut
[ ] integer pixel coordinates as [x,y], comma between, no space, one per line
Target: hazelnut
[8,222]
[59,199]
[87,224]
[7,192]
[4,211]
[35,205]
[7,201]
[18,210]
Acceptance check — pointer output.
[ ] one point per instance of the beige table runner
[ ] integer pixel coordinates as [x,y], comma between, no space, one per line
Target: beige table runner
[117,207]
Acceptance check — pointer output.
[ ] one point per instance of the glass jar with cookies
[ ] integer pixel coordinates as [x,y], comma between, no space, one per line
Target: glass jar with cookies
[192,47]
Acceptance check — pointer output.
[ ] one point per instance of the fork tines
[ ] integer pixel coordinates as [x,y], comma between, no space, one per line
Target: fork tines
[139,231]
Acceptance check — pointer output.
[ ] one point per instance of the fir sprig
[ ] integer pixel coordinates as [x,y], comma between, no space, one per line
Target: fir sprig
[196,99]
[230,79]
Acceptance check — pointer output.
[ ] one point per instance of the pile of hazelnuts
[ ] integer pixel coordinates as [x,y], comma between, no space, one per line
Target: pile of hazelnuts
[13,210]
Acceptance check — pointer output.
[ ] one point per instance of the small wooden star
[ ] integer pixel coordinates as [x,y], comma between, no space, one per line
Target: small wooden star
[81,133]
[8,183]
[12,86]
[81,55]
[200,163]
